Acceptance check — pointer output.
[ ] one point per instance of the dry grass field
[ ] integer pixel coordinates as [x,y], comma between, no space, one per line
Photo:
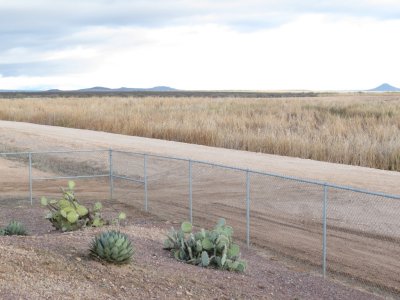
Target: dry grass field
[356,129]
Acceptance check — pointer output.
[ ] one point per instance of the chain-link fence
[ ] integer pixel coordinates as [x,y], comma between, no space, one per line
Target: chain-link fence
[337,231]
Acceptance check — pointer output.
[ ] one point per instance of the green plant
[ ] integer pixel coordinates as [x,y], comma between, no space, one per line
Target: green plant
[67,214]
[112,246]
[14,228]
[118,220]
[213,248]
[2,232]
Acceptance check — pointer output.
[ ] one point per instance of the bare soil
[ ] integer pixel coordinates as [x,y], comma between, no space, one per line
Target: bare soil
[363,237]
[53,265]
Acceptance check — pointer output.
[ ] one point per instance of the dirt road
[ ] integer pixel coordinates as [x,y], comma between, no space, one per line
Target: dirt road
[40,137]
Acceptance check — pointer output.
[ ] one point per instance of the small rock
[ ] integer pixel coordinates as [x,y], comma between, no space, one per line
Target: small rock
[78,258]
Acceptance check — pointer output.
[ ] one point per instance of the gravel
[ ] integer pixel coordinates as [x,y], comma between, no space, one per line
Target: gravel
[57,266]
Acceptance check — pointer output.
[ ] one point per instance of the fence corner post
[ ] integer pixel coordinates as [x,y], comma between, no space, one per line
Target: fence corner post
[190,193]
[111,173]
[324,217]
[248,208]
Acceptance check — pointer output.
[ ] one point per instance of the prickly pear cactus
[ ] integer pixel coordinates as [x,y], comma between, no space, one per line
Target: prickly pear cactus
[112,246]
[67,214]
[14,228]
[213,248]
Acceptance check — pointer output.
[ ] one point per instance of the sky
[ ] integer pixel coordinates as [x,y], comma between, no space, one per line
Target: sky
[200,44]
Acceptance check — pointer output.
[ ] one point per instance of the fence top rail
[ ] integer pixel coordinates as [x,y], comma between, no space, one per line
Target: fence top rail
[53,152]
[309,181]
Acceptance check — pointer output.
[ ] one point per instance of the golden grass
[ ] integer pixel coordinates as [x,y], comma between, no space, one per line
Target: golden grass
[351,129]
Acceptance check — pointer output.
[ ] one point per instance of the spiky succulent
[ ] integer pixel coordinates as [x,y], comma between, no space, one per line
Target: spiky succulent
[112,246]
[15,228]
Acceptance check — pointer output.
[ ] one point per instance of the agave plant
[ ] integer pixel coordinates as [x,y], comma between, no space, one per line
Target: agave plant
[15,228]
[112,246]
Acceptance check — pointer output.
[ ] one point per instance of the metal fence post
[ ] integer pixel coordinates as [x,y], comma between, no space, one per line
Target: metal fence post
[145,182]
[30,177]
[248,208]
[190,193]
[324,207]
[111,174]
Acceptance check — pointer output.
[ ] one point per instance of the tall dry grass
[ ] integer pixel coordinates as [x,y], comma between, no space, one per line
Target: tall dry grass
[351,129]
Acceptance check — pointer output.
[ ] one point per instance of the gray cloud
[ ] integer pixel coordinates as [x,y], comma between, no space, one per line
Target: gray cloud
[43,25]
[44,68]
[70,15]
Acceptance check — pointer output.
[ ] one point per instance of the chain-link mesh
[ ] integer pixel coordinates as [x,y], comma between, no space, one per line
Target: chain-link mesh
[168,188]
[363,239]
[128,179]
[47,168]
[219,193]
[286,218]
[281,215]
[14,179]
[92,163]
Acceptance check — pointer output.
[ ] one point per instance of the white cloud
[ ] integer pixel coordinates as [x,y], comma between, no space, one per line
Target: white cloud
[205,45]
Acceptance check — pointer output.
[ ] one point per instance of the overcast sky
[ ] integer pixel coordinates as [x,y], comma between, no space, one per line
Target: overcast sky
[197,44]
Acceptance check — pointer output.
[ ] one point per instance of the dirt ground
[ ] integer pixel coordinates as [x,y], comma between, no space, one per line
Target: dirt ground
[363,236]
[52,265]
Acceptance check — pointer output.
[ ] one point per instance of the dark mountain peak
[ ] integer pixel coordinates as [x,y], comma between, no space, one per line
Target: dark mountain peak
[100,89]
[95,89]
[385,87]
[162,89]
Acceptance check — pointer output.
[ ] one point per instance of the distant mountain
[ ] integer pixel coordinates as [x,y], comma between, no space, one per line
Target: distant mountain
[385,88]
[162,89]
[100,89]
[95,89]
[125,89]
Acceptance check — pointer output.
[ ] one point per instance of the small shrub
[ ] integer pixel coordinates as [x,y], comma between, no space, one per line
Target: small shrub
[14,228]
[213,248]
[112,246]
[67,214]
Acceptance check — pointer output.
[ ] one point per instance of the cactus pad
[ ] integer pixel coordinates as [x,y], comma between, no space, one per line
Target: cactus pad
[212,248]
[186,227]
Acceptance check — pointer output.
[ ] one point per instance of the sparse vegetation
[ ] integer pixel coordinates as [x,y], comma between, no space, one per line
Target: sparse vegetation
[14,228]
[67,214]
[351,129]
[214,248]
